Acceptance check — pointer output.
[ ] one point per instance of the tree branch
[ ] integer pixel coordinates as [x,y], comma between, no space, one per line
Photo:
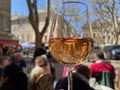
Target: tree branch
[47,18]
[33,14]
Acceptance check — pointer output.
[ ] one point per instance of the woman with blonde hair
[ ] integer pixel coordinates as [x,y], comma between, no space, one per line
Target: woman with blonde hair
[41,66]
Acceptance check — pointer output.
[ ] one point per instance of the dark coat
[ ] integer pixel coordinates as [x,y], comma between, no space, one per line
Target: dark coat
[78,84]
[16,79]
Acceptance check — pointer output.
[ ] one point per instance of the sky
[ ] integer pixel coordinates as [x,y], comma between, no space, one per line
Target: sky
[20,6]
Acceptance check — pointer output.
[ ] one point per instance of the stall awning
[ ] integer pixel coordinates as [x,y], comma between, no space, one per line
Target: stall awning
[9,43]
[27,46]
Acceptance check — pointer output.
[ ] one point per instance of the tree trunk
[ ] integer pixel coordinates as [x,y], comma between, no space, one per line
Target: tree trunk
[38,40]
[34,21]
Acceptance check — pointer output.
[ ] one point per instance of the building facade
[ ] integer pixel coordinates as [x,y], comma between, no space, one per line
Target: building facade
[102,36]
[5,23]
[23,30]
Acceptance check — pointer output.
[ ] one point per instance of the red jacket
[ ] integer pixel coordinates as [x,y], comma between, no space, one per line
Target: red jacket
[101,66]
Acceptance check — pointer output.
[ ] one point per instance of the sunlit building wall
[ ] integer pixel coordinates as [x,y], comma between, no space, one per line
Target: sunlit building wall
[5,23]
[23,30]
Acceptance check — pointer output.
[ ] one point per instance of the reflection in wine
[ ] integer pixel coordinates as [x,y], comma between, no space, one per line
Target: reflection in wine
[70,51]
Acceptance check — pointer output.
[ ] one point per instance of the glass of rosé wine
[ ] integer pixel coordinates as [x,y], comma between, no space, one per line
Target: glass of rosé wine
[70,36]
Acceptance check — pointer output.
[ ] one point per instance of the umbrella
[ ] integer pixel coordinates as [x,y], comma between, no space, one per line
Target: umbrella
[28,46]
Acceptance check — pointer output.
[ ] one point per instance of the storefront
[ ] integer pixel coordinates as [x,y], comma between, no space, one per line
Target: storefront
[6,47]
[6,43]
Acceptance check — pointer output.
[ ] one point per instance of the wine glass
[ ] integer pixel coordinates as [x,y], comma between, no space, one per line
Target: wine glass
[69,44]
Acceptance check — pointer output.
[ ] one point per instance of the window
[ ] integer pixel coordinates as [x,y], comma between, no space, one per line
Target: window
[27,37]
[0,22]
[45,37]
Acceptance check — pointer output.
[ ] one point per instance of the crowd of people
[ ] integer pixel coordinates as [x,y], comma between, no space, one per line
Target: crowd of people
[97,76]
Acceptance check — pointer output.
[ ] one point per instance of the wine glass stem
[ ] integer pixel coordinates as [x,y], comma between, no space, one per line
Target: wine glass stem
[69,78]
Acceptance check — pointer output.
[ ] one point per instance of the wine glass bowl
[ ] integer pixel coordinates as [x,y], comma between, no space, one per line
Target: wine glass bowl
[70,51]
[68,44]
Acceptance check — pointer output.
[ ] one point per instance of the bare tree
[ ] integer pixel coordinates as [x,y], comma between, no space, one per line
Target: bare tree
[106,20]
[34,20]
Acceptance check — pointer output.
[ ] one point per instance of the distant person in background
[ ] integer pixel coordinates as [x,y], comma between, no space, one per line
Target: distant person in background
[17,59]
[103,72]
[49,55]
[4,61]
[1,51]
[26,52]
[5,49]
[100,65]
[39,51]
[65,70]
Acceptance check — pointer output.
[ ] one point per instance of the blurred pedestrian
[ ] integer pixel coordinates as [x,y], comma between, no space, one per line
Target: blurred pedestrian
[39,51]
[103,72]
[65,70]
[41,66]
[18,60]
[80,80]
[100,65]
[1,51]
[4,61]
[14,78]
